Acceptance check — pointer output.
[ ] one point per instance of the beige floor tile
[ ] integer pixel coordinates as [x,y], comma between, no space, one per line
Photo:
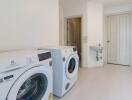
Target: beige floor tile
[111,82]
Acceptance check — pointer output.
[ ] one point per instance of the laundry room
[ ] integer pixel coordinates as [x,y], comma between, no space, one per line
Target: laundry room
[65,49]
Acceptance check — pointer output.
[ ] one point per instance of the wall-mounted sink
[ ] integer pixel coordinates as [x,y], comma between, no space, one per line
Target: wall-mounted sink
[96,48]
[99,50]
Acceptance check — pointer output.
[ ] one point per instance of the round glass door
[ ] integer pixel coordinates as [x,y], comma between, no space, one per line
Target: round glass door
[71,65]
[34,88]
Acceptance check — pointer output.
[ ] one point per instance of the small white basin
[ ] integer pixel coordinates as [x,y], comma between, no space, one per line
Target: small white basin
[96,48]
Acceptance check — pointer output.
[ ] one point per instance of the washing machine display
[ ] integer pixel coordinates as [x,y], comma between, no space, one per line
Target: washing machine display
[33,88]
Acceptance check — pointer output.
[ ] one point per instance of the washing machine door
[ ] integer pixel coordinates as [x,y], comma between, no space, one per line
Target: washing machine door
[31,85]
[72,65]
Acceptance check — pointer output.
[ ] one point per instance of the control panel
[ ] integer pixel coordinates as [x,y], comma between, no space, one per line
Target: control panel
[44,56]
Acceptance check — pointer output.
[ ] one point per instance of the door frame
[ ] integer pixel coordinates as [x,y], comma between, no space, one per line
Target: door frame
[65,32]
[106,35]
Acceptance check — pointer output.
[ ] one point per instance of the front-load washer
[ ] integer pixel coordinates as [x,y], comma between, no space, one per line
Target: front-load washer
[65,68]
[26,75]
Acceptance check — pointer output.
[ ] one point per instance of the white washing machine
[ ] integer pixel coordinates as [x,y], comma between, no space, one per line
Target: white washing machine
[26,75]
[65,68]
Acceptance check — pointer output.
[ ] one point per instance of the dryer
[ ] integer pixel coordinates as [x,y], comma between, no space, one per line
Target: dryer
[26,75]
[65,68]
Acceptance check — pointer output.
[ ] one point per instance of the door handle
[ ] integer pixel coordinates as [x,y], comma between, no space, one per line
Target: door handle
[108,41]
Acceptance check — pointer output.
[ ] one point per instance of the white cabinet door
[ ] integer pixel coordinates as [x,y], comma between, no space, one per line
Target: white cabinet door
[119,39]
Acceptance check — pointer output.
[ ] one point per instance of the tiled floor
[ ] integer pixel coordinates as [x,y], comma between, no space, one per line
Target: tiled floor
[110,82]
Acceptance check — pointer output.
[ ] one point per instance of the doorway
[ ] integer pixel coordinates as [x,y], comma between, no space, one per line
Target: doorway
[73,33]
[118,39]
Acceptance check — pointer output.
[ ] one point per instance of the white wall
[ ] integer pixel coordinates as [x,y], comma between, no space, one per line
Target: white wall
[95,31]
[61,23]
[117,9]
[92,30]
[131,39]
[28,23]
[73,7]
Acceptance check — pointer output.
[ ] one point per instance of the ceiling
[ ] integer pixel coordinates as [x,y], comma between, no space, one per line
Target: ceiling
[113,2]
[107,2]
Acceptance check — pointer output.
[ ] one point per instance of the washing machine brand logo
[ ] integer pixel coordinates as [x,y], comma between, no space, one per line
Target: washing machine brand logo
[7,78]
